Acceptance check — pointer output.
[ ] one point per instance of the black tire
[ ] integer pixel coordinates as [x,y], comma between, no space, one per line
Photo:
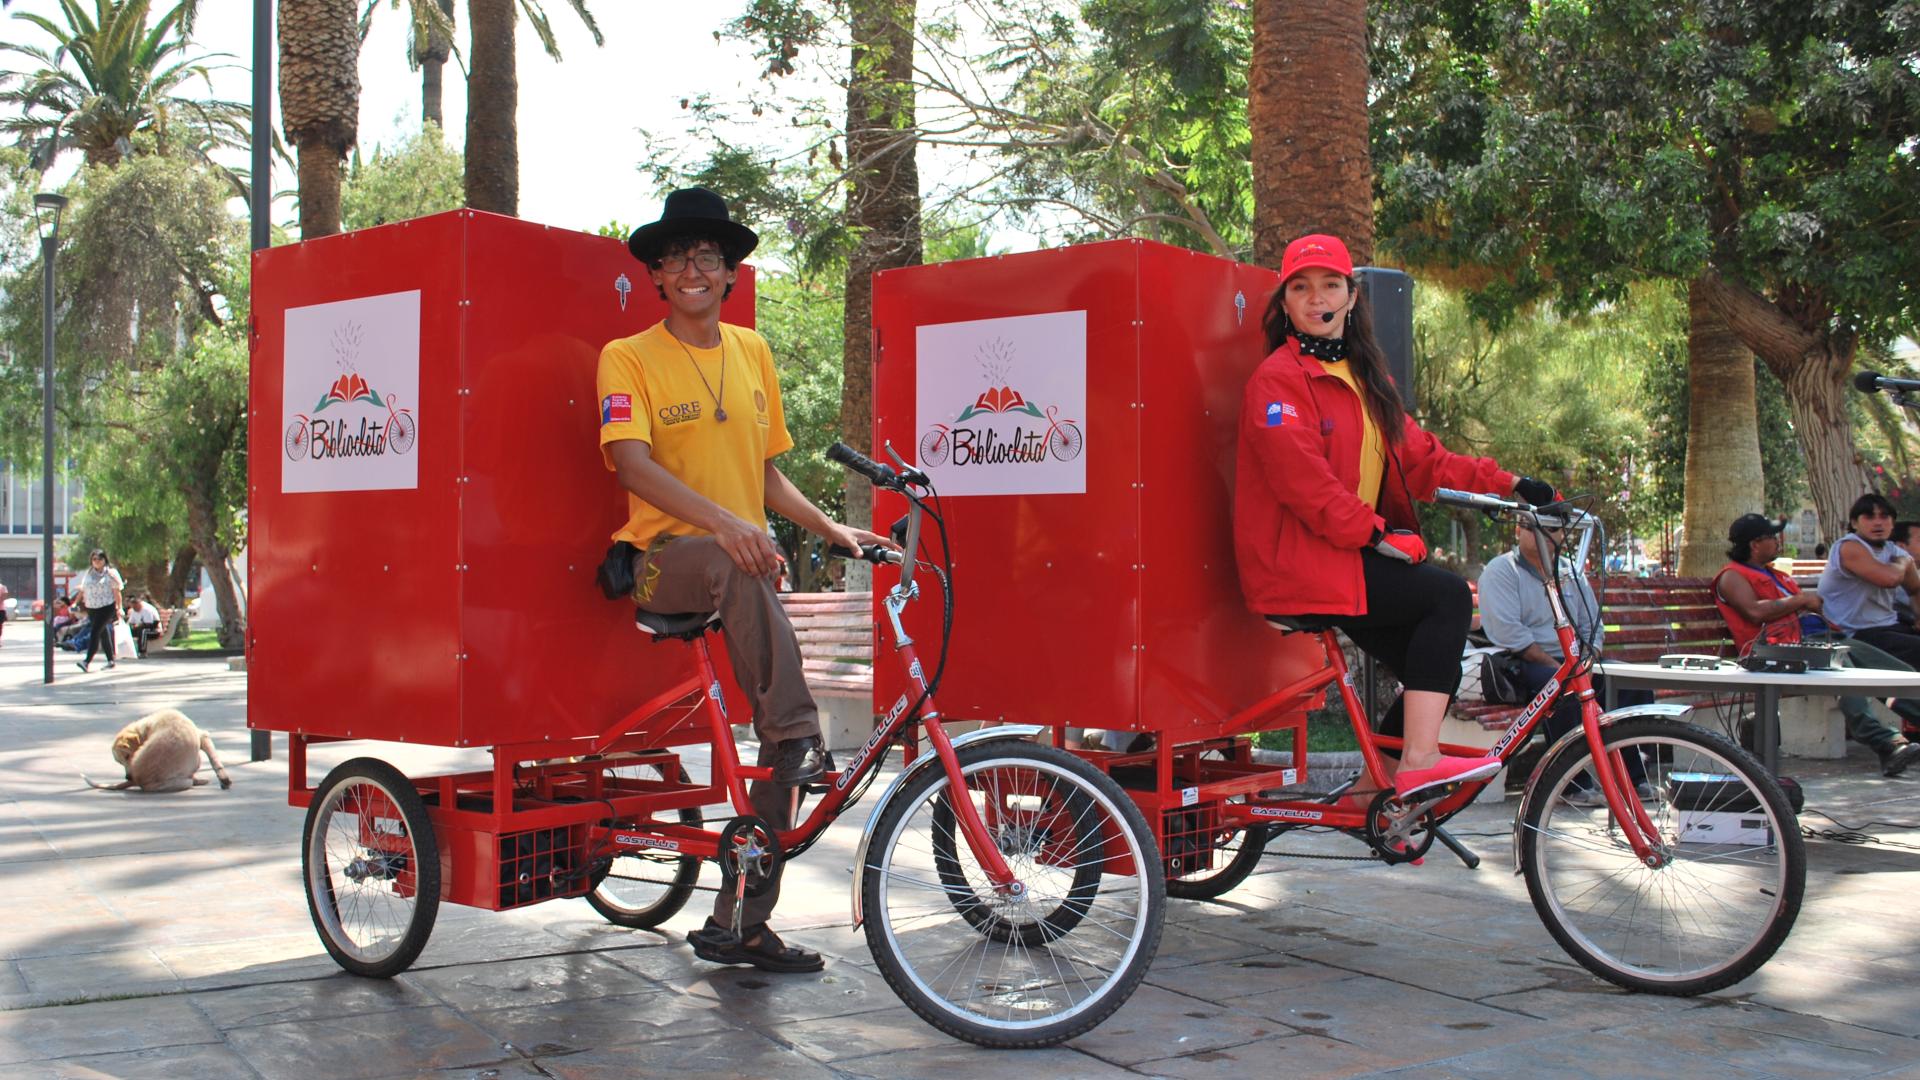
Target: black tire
[1235,855]
[642,890]
[1729,905]
[1061,818]
[371,868]
[923,944]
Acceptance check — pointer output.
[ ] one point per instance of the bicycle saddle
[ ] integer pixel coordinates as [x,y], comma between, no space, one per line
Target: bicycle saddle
[1298,624]
[685,626]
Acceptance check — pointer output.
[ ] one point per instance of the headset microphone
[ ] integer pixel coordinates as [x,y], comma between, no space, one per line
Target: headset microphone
[1326,316]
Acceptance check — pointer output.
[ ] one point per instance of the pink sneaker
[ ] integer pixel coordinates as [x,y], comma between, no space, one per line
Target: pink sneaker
[1448,770]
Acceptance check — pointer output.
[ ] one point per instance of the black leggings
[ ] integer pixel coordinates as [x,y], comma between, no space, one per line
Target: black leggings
[100,621]
[1416,621]
[1416,624]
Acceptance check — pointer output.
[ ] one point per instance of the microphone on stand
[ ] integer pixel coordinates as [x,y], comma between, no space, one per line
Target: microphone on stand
[1872,382]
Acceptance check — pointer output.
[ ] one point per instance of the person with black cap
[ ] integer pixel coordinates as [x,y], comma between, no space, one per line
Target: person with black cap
[691,421]
[1760,604]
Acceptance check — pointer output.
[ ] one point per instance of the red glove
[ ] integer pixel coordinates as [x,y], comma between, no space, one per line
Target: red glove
[1403,545]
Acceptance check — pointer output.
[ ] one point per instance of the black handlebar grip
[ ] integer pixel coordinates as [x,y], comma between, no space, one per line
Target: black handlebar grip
[873,553]
[842,454]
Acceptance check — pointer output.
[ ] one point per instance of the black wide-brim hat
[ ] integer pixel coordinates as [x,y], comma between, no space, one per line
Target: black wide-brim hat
[693,212]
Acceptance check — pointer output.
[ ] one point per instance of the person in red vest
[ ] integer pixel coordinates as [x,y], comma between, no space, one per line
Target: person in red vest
[1328,467]
[1760,604]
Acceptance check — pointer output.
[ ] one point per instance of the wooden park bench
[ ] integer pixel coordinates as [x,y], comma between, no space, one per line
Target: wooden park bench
[1646,618]
[173,625]
[835,631]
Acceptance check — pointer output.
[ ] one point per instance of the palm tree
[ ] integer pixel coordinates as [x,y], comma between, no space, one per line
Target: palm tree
[110,86]
[320,101]
[1307,108]
[429,47]
[493,97]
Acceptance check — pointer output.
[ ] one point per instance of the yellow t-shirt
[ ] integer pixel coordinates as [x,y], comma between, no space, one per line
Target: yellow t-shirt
[650,390]
[1373,449]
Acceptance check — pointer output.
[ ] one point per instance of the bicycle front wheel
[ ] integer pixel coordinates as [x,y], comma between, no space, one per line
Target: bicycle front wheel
[1727,878]
[1014,969]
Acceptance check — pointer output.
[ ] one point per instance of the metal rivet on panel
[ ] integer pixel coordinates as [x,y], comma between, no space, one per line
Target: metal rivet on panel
[316,568]
[384,568]
[569,401]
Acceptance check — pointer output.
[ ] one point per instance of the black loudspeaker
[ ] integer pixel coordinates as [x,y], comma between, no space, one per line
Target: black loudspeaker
[1390,295]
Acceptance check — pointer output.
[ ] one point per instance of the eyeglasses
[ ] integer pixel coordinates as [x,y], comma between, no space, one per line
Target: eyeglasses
[705,260]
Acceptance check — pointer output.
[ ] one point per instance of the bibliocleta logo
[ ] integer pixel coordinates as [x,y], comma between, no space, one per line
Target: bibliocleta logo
[366,424]
[1001,426]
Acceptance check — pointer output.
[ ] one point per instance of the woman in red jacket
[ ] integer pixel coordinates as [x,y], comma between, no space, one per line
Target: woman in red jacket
[1329,464]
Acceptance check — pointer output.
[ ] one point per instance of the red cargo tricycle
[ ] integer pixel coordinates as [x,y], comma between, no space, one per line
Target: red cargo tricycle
[1662,856]
[1010,892]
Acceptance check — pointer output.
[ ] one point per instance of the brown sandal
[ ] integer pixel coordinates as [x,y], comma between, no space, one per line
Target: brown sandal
[718,945]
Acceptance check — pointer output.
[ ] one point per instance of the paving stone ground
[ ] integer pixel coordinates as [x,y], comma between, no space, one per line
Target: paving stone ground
[167,936]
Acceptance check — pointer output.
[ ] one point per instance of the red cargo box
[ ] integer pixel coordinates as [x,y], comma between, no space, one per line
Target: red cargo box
[1077,409]
[426,497]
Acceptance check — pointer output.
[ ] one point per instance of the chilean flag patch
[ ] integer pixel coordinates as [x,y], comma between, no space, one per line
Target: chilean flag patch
[1278,412]
[616,409]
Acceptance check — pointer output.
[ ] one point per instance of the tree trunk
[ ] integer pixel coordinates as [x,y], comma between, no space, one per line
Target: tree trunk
[883,213]
[493,101]
[322,171]
[430,92]
[179,576]
[433,62]
[1723,439]
[213,557]
[1813,366]
[320,101]
[1307,110]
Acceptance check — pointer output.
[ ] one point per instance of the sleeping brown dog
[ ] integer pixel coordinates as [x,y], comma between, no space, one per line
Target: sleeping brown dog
[161,752]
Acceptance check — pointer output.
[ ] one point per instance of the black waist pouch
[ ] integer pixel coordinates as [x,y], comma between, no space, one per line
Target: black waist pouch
[616,571]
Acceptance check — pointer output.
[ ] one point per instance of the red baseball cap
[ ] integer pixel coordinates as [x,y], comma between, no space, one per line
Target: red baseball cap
[1316,250]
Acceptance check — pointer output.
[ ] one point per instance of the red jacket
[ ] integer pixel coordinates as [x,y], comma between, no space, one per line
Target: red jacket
[1784,630]
[1298,527]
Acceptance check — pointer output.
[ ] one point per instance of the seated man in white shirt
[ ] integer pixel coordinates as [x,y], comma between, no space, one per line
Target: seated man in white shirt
[144,621]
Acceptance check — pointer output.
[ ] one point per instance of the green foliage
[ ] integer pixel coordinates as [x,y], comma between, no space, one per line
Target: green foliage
[148,255]
[1770,140]
[150,359]
[1129,123]
[419,177]
[109,85]
[801,321]
[1549,396]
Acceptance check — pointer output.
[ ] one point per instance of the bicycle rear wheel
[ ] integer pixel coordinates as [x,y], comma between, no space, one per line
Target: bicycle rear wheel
[642,889]
[1730,873]
[929,911]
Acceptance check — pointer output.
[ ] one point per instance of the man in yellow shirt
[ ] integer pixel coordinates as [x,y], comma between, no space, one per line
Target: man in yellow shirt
[690,420]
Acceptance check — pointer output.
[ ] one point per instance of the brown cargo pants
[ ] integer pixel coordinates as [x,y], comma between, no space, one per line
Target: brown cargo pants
[691,574]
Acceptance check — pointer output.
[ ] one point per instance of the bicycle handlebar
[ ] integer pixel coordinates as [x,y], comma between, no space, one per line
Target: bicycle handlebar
[873,553]
[881,476]
[1493,504]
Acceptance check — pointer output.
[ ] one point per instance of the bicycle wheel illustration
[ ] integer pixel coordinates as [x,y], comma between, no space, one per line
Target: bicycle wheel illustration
[297,440]
[400,432]
[1065,441]
[934,446]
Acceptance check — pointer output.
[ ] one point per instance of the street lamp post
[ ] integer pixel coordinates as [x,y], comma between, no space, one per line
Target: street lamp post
[46,212]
